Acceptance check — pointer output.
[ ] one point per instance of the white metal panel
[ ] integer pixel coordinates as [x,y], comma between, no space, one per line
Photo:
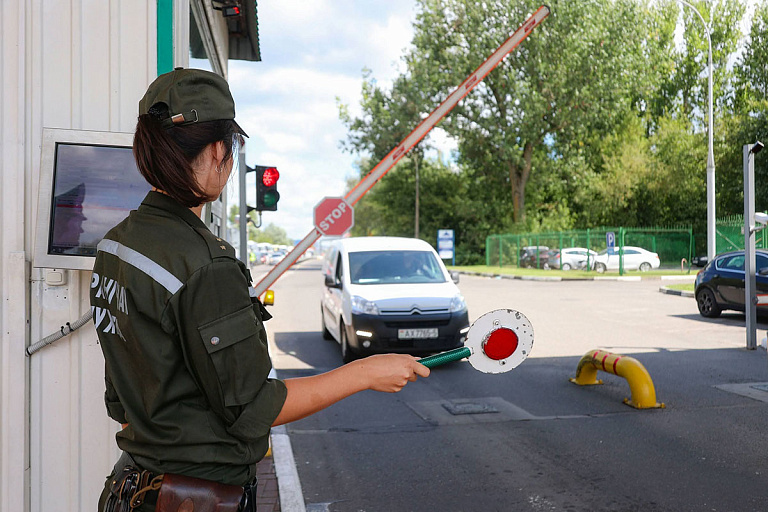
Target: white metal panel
[90,61]
[81,64]
[181,14]
[14,411]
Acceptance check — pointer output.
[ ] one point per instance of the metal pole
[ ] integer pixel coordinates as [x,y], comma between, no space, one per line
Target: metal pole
[711,217]
[750,307]
[242,171]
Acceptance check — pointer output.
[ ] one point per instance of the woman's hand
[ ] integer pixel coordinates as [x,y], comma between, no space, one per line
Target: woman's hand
[389,373]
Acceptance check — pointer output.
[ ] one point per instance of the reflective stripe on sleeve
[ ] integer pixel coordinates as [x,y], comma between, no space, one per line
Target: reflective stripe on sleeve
[141,262]
[252,291]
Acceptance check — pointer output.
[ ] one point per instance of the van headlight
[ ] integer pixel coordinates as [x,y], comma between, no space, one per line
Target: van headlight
[458,304]
[361,306]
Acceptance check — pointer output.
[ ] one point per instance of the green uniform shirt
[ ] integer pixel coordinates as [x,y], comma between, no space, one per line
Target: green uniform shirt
[185,348]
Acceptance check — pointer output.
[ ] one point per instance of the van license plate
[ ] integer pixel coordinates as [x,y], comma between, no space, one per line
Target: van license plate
[417,334]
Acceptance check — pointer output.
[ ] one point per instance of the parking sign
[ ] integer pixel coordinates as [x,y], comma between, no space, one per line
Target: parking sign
[610,239]
[445,247]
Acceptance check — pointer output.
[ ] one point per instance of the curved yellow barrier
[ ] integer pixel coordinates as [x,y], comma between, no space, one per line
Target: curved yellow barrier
[640,383]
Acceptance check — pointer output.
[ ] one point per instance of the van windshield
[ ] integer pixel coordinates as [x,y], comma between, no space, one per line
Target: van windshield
[394,267]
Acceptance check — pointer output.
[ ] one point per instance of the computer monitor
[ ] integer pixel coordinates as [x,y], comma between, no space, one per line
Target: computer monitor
[89,182]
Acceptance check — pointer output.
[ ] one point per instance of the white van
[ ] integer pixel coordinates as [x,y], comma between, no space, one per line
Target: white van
[389,294]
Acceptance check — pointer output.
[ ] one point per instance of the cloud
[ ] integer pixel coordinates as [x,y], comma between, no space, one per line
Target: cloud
[312,54]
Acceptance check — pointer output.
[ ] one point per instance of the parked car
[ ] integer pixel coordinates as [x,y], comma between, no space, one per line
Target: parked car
[699,261]
[535,256]
[572,257]
[720,284]
[390,294]
[274,257]
[635,258]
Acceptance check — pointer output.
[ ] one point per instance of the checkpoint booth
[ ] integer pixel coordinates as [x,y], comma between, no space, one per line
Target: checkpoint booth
[73,73]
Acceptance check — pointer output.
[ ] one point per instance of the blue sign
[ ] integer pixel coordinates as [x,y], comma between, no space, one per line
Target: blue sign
[610,239]
[445,245]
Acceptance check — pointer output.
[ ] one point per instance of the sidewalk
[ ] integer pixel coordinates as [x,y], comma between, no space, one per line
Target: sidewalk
[267,492]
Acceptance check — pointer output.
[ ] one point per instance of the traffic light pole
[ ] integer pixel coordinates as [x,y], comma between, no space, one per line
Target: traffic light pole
[411,140]
[242,171]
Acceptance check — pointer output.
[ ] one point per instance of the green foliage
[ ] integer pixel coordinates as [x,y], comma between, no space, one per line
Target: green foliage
[234,218]
[274,235]
[598,118]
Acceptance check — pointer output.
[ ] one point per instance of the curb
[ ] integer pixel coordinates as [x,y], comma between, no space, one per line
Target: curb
[288,483]
[669,291]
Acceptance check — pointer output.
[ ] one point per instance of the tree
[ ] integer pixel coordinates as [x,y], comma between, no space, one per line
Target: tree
[388,117]
[576,74]
[747,122]
[274,235]
[234,218]
[690,77]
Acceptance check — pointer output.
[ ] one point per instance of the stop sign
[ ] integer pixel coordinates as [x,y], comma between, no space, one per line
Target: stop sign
[334,216]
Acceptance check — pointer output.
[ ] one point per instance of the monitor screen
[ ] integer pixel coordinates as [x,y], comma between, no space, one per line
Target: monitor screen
[88,183]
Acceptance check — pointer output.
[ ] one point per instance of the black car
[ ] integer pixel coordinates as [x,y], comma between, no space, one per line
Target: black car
[720,284]
[534,257]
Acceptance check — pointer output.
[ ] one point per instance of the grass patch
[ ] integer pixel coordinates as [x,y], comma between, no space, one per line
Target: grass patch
[684,287]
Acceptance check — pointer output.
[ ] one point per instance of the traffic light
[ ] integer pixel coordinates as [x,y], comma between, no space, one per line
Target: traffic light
[267,195]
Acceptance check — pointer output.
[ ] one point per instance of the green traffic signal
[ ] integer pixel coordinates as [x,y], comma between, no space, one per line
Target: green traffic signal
[270,197]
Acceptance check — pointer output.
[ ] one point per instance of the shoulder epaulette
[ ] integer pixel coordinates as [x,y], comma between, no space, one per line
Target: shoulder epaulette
[217,246]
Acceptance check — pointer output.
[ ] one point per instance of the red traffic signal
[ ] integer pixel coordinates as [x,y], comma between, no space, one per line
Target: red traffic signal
[267,195]
[270,176]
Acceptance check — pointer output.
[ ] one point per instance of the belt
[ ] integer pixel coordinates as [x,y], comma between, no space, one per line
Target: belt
[137,486]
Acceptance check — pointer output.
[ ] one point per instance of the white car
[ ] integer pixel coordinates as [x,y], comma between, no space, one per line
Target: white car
[389,294]
[573,257]
[635,258]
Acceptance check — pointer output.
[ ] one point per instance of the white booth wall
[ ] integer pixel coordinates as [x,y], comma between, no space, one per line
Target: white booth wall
[74,64]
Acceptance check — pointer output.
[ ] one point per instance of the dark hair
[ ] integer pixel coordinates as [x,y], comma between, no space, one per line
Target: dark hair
[165,156]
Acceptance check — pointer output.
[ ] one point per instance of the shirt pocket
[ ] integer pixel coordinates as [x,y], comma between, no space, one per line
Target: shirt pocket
[234,346]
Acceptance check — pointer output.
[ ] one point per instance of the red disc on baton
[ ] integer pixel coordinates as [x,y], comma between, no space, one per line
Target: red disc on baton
[501,344]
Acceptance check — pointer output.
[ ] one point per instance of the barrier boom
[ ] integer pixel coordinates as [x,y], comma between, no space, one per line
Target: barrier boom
[411,140]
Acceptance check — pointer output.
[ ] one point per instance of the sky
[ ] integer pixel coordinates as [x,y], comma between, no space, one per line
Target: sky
[312,53]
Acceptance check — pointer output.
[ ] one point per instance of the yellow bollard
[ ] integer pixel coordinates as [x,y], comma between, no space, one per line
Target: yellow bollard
[640,383]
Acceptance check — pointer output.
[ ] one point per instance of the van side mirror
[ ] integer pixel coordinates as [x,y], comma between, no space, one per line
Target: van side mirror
[455,276]
[330,282]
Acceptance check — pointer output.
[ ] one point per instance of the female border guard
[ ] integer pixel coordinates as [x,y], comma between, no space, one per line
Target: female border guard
[182,335]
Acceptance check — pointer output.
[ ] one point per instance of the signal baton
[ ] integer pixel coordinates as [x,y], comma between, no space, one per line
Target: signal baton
[497,342]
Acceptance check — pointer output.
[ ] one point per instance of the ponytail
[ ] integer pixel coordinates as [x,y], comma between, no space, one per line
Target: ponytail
[165,157]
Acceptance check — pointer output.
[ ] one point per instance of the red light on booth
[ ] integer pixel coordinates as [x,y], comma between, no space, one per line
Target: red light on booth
[501,344]
[229,10]
[270,177]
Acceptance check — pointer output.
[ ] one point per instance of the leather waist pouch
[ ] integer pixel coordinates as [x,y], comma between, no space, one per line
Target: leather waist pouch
[186,494]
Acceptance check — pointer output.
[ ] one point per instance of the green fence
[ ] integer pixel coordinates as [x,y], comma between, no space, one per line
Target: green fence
[730,235]
[673,245]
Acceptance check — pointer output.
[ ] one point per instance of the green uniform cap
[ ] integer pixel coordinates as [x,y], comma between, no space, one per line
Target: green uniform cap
[192,96]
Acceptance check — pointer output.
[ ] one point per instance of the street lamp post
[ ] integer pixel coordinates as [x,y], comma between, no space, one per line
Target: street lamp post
[711,219]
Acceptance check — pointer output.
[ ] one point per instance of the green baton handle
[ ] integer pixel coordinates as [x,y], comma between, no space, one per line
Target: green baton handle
[446,357]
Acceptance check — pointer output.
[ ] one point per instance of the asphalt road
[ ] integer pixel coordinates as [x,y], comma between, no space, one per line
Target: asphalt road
[536,442]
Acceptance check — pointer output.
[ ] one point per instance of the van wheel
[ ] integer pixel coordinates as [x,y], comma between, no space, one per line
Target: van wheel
[326,333]
[566,266]
[347,355]
[600,267]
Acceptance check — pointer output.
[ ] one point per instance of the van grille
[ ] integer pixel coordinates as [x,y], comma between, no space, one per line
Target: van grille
[416,311]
